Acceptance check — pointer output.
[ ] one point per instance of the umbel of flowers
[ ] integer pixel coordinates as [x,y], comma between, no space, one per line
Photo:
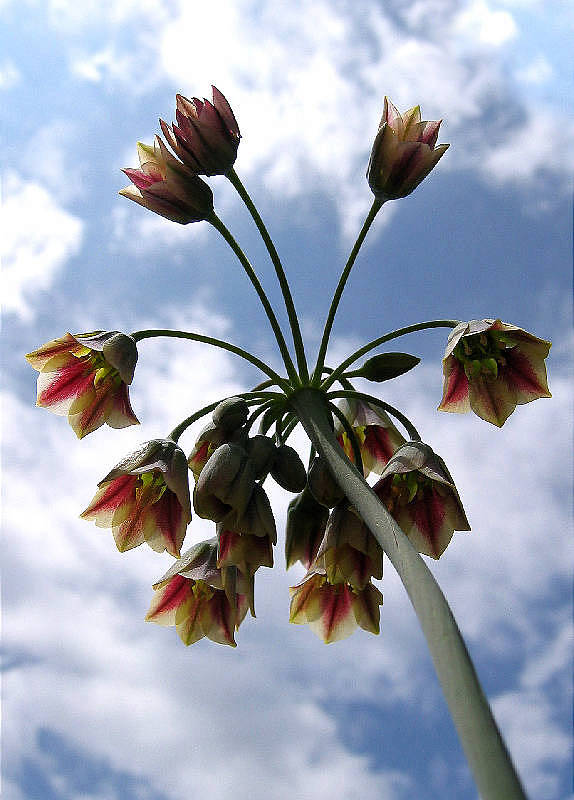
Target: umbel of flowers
[372,487]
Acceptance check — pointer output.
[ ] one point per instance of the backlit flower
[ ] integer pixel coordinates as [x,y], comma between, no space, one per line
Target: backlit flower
[378,438]
[145,498]
[199,598]
[306,523]
[86,377]
[333,611]
[205,135]
[166,186]
[419,492]
[491,367]
[403,154]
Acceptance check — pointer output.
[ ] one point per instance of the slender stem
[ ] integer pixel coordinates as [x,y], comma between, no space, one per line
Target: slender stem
[250,397]
[265,406]
[228,236]
[279,271]
[419,326]
[198,337]
[339,290]
[487,755]
[405,422]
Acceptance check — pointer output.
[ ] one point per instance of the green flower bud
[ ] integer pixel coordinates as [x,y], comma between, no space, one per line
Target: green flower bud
[288,469]
[231,413]
[322,485]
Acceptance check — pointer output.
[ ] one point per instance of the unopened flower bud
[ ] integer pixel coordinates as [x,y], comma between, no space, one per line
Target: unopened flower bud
[322,485]
[262,452]
[386,366]
[226,483]
[257,518]
[231,414]
[306,522]
[288,470]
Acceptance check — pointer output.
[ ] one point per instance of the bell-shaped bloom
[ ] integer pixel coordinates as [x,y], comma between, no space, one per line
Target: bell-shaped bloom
[205,135]
[145,498]
[491,367]
[349,553]
[199,598]
[306,523]
[166,186]
[86,377]
[245,551]
[333,611]
[378,438]
[419,492]
[404,152]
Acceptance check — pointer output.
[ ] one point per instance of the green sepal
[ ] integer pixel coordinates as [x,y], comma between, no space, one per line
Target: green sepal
[385,366]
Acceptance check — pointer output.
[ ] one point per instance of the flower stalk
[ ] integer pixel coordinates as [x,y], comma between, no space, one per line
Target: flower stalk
[486,752]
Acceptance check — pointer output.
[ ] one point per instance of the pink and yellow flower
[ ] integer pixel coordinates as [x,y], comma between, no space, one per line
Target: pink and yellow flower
[205,135]
[333,611]
[167,187]
[404,152]
[419,492]
[145,498]
[86,377]
[491,367]
[199,598]
[378,438]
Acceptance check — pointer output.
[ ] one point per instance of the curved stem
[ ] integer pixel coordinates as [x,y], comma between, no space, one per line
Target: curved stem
[339,290]
[232,348]
[405,422]
[250,397]
[233,177]
[487,755]
[419,326]
[228,236]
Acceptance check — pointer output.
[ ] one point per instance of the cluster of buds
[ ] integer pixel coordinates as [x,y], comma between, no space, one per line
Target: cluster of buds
[204,138]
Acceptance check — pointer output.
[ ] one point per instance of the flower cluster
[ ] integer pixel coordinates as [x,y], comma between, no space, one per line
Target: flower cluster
[489,366]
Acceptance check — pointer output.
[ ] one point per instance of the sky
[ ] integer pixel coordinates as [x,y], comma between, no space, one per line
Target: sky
[98,704]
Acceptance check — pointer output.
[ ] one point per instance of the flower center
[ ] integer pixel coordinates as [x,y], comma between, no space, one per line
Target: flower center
[483,353]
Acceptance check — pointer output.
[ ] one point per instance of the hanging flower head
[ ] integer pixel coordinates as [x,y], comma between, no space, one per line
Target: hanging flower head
[145,498]
[86,377]
[205,135]
[419,492]
[166,186]
[404,152]
[377,436]
[199,598]
[491,367]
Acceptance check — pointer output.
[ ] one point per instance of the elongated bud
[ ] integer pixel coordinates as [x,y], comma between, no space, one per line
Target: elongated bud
[322,485]
[386,366]
[306,522]
[262,451]
[288,469]
[231,414]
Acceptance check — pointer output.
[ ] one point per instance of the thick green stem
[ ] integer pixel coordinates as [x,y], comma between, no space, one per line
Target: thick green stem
[198,337]
[419,326]
[279,271]
[339,290]
[487,755]
[245,263]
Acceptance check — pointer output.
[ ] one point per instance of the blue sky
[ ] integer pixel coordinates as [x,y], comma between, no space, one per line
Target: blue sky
[99,705]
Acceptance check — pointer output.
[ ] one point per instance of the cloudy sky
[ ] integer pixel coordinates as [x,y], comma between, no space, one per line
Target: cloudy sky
[99,705]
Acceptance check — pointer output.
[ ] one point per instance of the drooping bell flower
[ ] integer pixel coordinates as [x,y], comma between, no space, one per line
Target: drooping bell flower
[205,135]
[86,377]
[491,367]
[167,187]
[378,438]
[333,611]
[306,523]
[419,492]
[199,598]
[245,551]
[404,152]
[145,498]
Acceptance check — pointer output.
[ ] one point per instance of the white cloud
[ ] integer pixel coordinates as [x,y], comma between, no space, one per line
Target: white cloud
[537,72]
[9,75]
[38,238]
[485,25]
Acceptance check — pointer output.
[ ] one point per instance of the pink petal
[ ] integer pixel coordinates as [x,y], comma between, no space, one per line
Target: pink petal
[57,390]
[109,498]
[455,396]
[492,399]
[521,374]
[171,526]
[167,599]
[337,620]
[218,620]
[66,344]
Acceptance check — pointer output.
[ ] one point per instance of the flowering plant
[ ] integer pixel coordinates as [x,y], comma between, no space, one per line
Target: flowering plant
[339,526]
